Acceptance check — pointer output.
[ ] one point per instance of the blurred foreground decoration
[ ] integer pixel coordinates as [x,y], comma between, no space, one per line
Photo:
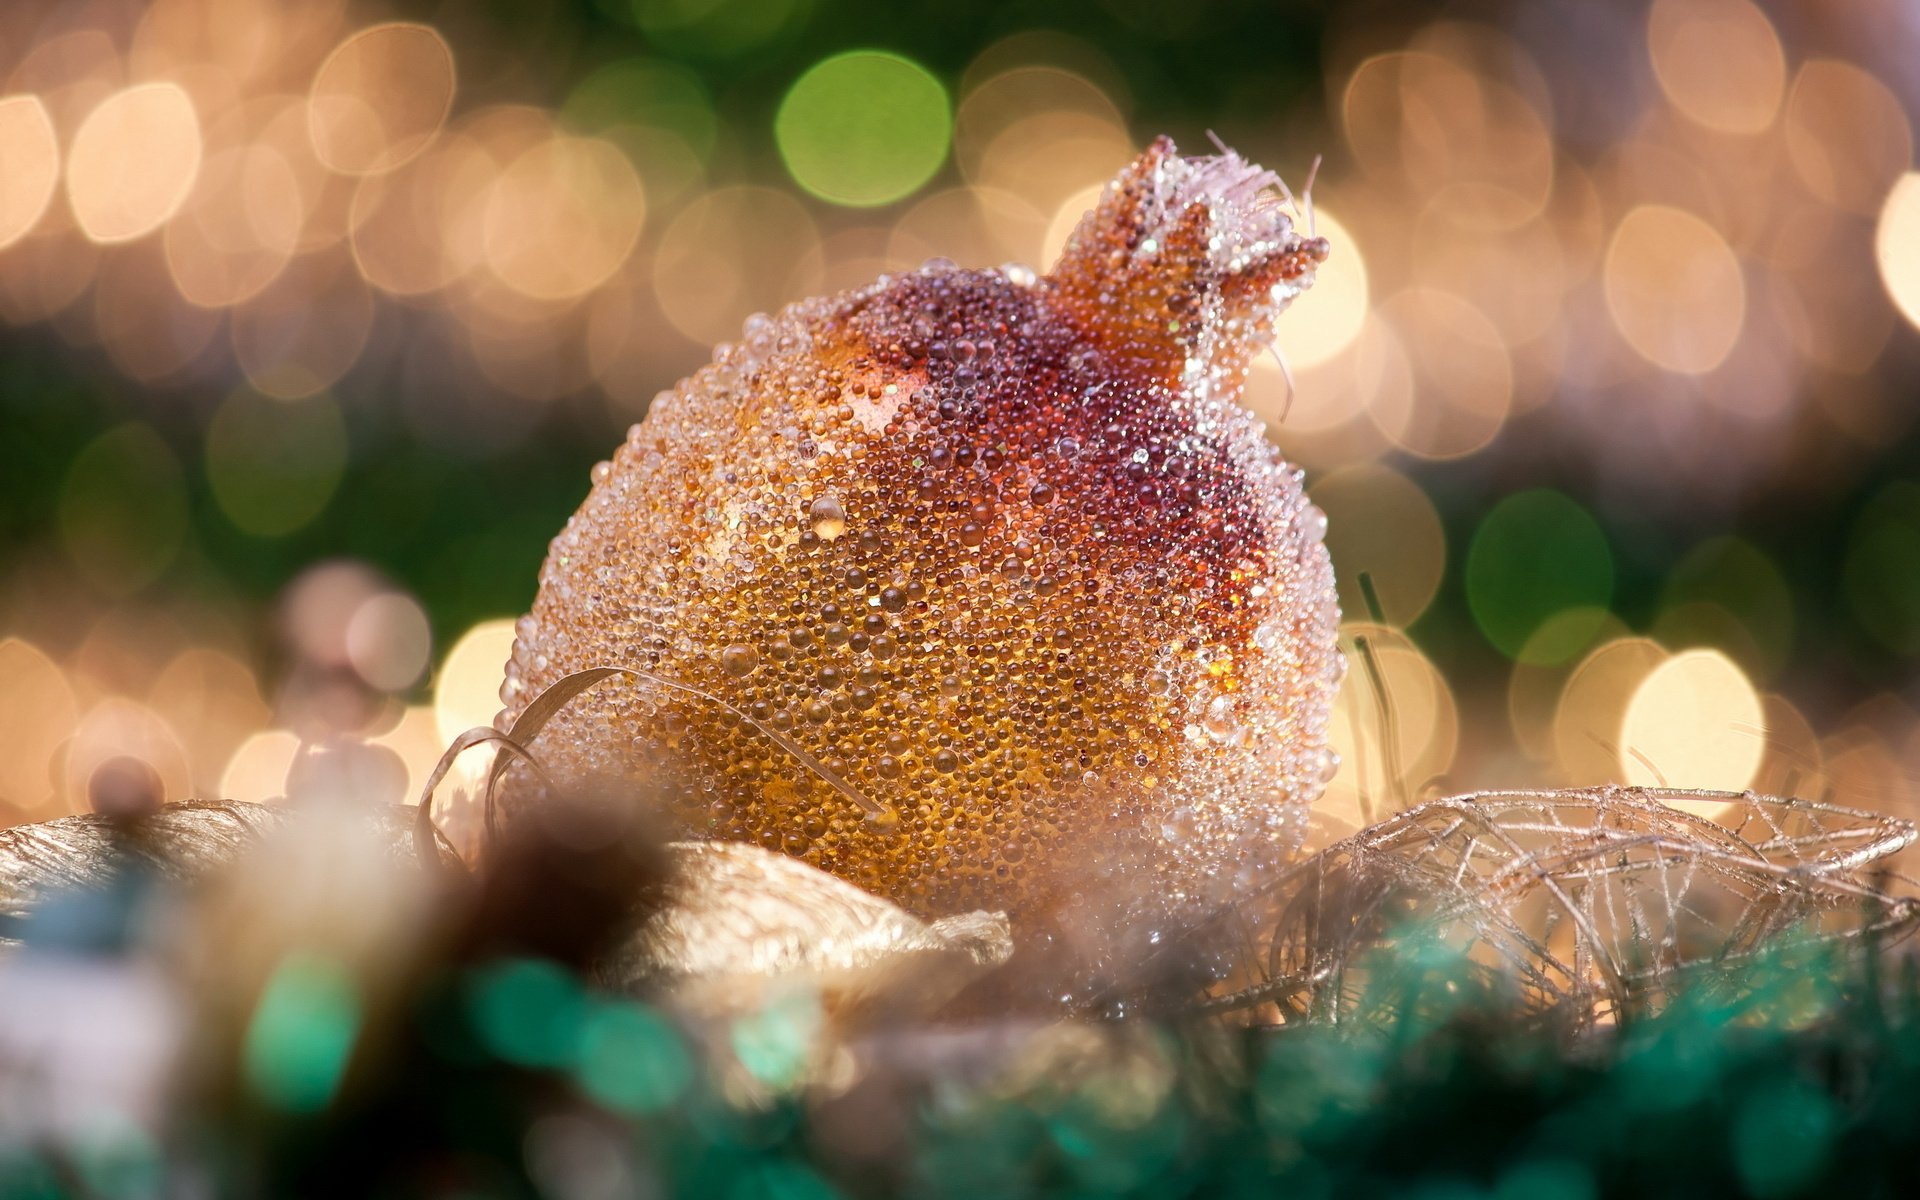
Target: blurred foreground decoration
[299,984]
[734,923]
[500,1071]
[1593,905]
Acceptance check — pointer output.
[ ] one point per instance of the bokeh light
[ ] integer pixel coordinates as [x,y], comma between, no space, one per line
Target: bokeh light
[123,509]
[466,688]
[414,230]
[1587,720]
[562,217]
[1535,555]
[863,128]
[238,228]
[1537,684]
[274,464]
[389,641]
[1848,136]
[642,93]
[1462,393]
[120,727]
[259,767]
[213,701]
[1882,569]
[38,711]
[1694,721]
[147,345]
[1728,594]
[133,161]
[1325,321]
[1675,289]
[1794,763]
[32,156]
[996,100]
[973,226]
[1072,210]
[1718,61]
[732,253]
[415,737]
[1393,739]
[1380,524]
[304,331]
[1477,144]
[380,97]
[318,607]
[1052,157]
[1897,245]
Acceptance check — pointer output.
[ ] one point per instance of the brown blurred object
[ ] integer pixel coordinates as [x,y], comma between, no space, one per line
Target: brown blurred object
[125,788]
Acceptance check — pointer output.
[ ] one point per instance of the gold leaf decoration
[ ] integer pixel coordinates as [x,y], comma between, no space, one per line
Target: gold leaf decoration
[742,919]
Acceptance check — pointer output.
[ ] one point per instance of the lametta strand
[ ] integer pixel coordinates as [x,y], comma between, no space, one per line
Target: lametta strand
[1003,553]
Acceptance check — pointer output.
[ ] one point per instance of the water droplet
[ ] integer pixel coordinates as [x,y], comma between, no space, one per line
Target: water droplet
[1268,634]
[827,519]
[739,660]
[1313,523]
[1220,722]
[1327,764]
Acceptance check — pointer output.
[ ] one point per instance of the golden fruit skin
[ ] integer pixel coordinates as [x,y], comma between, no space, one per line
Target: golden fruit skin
[1002,552]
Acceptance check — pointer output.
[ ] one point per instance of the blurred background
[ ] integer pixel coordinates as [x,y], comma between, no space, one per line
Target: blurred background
[317,314]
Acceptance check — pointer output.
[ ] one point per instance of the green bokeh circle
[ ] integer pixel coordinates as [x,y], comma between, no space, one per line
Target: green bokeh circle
[1728,594]
[1882,570]
[864,128]
[274,465]
[123,509]
[1537,554]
